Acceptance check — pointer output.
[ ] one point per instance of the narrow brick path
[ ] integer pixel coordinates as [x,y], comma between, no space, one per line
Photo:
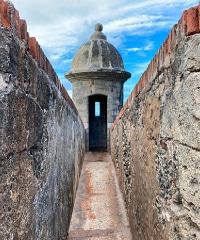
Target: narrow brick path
[99,212]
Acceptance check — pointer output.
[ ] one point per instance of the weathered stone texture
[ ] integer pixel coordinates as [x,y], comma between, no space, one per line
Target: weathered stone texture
[155,143]
[42,143]
[97,69]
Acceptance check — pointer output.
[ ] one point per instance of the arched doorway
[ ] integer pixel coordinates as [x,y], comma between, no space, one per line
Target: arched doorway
[98,123]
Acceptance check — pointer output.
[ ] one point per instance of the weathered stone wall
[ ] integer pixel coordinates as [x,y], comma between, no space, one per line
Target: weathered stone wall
[112,89]
[41,138]
[155,141]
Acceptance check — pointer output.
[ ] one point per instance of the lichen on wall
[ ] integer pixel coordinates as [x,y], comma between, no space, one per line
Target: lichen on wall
[158,134]
[42,140]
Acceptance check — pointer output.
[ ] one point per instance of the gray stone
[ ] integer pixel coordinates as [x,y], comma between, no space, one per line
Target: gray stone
[97,69]
[42,145]
[155,145]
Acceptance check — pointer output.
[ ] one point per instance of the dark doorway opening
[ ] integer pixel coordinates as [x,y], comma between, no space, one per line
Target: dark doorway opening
[98,123]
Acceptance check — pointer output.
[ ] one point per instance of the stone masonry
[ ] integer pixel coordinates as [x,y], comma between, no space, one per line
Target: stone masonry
[42,138]
[98,69]
[155,141]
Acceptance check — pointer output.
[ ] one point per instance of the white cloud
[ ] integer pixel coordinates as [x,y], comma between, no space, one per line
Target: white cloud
[61,27]
[67,23]
[135,49]
[148,47]
[63,23]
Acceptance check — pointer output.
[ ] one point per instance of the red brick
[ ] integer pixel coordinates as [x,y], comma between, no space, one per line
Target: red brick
[184,21]
[198,8]
[33,47]
[23,30]
[166,47]
[17,23]
[42,59]
[192,21]
[4,14]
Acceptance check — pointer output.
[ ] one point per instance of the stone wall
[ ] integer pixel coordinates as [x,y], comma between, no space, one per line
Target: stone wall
[155,140]
[41,138]
[111,89]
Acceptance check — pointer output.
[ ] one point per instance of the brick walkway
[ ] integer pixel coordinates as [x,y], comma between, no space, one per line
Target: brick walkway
[99,212]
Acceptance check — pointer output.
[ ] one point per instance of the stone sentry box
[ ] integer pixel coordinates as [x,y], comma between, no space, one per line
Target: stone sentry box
[97,75]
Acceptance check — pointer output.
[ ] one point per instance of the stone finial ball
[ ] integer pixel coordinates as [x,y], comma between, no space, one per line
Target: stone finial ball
[98,27]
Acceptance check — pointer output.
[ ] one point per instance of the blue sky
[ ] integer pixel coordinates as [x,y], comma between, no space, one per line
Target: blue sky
[136,28]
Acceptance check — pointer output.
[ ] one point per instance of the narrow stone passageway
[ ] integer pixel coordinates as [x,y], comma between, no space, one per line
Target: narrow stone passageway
[99,211]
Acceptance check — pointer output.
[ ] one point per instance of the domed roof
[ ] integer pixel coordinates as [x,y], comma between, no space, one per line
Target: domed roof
[97,55]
